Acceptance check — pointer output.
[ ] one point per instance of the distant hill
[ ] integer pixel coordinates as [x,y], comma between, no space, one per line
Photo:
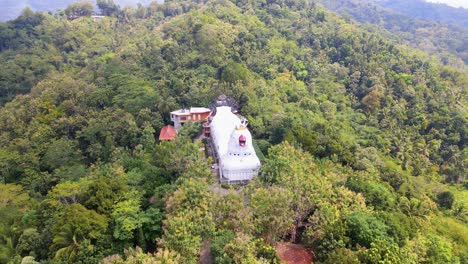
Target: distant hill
[448,41]
[429,11]
[10,9]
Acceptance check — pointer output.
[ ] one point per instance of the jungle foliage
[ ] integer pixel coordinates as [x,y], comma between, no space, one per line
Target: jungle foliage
[363,139]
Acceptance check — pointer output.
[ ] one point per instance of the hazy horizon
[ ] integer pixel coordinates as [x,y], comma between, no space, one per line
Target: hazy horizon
[12,8]
[452,3]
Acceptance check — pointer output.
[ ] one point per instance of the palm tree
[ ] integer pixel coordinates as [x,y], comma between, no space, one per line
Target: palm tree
[7,249]
[67,244]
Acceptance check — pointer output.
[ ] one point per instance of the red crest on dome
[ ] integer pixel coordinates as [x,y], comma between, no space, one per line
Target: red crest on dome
[242,140]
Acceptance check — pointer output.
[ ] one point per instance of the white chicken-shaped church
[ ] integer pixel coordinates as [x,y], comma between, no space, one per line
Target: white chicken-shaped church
[232,143]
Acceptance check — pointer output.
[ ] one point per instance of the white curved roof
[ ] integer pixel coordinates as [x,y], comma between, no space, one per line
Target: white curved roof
[222,125]
[237,163]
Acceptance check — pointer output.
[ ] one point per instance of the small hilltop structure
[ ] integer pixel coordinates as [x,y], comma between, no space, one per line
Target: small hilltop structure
[180,117]
[167,133]
[193,114]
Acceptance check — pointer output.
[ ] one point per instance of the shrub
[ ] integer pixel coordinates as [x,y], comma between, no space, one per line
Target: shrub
[445,199]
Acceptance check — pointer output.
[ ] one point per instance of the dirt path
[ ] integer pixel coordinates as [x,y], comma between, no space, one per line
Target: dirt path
[294,253]
[205,254]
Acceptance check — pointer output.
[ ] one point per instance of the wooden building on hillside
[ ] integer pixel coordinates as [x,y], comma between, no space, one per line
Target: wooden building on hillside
[194,114]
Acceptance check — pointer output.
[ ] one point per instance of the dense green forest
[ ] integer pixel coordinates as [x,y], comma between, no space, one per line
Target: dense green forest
[449,41]
[363,140]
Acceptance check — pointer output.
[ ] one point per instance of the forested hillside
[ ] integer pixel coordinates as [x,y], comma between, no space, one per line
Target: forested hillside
[397,20]
[363,140]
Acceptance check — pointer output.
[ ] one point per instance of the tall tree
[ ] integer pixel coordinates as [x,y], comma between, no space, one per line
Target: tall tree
[108,7]
[79,9]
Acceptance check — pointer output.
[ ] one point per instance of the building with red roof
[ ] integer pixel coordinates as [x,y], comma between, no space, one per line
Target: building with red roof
[167,133]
